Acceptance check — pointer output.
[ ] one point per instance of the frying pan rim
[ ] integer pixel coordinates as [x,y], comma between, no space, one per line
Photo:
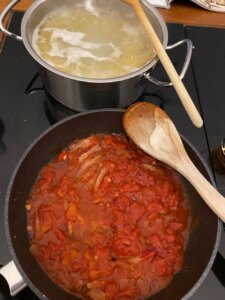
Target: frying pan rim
[29,148]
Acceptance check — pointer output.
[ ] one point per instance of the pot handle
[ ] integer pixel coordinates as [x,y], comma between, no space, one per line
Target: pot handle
[13,278]
[3,15]
[185,65]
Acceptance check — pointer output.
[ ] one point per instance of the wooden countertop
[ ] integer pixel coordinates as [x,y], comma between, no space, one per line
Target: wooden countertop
[181,11]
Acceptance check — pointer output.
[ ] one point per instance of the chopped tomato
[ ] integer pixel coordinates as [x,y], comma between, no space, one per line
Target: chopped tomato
[107,221]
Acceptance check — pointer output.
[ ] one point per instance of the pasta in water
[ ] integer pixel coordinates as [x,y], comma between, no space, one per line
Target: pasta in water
[93,39]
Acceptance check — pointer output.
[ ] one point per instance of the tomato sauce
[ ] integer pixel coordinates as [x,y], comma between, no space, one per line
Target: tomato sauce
[107,221]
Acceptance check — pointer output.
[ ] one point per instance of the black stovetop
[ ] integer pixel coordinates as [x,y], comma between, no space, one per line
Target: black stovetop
[24,114]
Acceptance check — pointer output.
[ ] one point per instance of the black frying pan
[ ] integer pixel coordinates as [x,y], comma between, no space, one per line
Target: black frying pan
[204,238]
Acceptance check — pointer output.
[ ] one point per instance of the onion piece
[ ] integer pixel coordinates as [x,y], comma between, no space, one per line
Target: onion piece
[91,151]
[95,284]
[99,178]
[96,294]
[150,167]
[28,206]
[87,164]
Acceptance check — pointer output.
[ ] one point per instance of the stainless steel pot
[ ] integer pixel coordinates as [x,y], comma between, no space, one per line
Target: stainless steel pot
[78,93]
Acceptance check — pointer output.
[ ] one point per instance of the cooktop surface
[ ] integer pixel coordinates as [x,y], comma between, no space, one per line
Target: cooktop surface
[25,112]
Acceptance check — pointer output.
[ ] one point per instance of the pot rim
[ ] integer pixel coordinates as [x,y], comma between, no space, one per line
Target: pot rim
[146,67]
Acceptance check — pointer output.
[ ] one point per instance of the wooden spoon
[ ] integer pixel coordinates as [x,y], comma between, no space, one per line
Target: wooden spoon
[167,64]
[153,131]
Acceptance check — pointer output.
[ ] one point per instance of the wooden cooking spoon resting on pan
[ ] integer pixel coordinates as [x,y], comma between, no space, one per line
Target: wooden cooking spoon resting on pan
[153,131]
[167,64]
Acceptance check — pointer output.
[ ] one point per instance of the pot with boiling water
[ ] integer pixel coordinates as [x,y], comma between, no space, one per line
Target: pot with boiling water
[92,53]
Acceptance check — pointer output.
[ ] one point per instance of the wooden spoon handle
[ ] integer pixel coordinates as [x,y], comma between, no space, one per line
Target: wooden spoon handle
[167,64]
[208,193]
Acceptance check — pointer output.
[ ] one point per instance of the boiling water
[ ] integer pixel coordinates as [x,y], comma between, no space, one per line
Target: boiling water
[92,39]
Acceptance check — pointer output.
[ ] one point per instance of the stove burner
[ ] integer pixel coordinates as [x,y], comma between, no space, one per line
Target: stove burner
[56,111]
[153,98]
[29,90]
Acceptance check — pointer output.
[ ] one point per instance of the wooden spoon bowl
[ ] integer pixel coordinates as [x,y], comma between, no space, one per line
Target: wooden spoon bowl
[153,131]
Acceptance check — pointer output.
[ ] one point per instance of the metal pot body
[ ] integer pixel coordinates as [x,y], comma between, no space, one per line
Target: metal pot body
[203,241]
[78,93]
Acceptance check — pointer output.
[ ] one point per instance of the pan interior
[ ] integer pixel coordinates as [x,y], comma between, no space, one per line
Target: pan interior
[204,233]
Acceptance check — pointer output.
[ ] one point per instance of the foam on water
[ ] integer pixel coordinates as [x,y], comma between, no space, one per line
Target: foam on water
[81,48]
[90,7]
[72,38]
[83,41]
[131,30]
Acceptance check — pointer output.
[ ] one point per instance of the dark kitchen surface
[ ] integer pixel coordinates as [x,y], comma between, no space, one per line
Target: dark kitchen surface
[23,117]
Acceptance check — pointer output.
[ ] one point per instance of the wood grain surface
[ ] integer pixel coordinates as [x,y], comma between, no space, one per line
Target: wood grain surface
[152,130]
